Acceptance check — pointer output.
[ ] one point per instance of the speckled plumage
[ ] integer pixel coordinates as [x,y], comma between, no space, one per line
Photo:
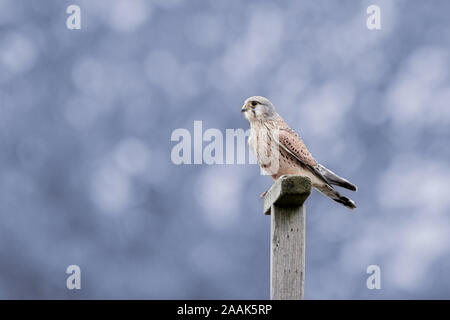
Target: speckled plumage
[280,150]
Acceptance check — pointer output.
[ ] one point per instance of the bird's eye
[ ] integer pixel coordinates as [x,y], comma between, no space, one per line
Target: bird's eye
[253,103]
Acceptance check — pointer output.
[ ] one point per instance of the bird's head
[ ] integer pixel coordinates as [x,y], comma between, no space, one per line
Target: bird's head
[258,109]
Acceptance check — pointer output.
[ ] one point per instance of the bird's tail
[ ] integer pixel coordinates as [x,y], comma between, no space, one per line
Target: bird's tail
[330,192]
[333,178]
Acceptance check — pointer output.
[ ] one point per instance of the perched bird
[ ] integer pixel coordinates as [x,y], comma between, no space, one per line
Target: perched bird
[280,151]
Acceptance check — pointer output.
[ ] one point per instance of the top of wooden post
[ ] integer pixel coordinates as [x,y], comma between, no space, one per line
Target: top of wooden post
[287,191]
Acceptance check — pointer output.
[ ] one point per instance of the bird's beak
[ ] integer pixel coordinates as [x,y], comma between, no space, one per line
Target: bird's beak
[244,108]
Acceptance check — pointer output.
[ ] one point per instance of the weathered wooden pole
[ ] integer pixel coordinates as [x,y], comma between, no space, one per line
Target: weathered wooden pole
[285,203]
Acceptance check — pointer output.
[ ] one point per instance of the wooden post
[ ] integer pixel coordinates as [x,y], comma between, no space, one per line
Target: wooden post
[285,203]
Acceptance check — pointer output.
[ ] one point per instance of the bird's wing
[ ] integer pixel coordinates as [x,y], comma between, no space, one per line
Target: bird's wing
[333,178]
[291,142]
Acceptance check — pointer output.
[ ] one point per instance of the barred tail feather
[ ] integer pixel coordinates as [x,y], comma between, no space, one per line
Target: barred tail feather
[336,196]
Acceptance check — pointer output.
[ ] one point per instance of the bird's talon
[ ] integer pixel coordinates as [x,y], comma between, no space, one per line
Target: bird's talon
[262,195]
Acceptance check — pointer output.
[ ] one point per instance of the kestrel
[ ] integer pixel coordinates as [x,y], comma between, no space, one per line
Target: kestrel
[280,151]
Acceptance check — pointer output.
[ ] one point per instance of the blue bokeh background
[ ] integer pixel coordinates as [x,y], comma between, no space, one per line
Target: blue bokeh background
[86,118]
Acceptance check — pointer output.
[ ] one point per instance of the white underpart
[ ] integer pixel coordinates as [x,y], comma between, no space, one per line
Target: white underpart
[316,182]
